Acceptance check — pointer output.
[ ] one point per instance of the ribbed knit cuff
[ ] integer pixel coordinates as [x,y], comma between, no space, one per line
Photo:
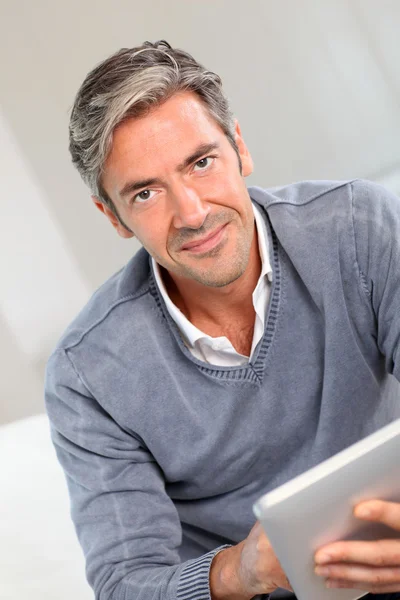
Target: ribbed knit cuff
[194,582]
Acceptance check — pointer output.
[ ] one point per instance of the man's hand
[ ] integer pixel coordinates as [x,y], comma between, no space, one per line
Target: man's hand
[370,566]
[248,569]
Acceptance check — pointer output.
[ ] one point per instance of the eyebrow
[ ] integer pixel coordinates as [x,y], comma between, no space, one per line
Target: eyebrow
[133,186]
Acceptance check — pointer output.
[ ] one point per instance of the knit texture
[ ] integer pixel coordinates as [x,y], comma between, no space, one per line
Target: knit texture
[164,455]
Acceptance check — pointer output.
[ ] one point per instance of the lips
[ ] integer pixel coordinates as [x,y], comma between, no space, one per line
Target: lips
[197,243]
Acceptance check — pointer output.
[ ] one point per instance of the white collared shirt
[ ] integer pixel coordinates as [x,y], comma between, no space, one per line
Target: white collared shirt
[219,351]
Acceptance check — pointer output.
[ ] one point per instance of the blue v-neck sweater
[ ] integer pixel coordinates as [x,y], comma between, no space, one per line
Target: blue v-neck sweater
[164,455]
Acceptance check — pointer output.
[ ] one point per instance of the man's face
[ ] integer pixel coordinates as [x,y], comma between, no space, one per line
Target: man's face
[175,181]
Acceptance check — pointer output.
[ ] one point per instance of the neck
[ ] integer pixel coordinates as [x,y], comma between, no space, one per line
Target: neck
[213,310]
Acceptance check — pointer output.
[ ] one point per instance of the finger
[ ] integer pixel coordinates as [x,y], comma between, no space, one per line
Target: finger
[379,553]
[380,511]
[361,573]
[342,583]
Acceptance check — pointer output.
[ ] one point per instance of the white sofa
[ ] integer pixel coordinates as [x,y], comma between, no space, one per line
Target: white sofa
[40,558]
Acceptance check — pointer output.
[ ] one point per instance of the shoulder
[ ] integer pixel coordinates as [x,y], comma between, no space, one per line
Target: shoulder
[308,212]
[361,193]
[356,202]
[124,288]
[375,204]
[376,225]
[300,193]
[316,221]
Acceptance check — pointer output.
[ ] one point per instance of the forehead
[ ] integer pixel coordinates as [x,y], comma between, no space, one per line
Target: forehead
[165,135]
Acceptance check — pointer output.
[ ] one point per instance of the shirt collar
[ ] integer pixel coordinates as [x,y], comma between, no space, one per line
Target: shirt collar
[263,244]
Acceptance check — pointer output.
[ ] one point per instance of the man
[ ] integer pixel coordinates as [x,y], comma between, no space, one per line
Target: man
[254,335]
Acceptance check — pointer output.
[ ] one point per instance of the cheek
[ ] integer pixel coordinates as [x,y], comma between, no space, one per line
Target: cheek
[232,184]
[153,235]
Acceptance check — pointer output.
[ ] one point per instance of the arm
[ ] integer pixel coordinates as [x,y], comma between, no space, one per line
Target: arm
[373,566]
[126,523]
[247,569]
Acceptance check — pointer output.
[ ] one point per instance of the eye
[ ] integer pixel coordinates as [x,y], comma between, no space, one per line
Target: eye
[203,163]
[142,196]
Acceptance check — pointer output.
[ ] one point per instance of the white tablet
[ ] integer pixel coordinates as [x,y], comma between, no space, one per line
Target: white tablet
[316,508]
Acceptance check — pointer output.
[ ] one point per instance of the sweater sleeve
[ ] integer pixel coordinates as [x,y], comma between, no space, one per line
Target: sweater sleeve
[376,221]
[125,521]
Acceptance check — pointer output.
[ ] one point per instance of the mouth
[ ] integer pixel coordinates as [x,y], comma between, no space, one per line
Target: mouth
[207,243]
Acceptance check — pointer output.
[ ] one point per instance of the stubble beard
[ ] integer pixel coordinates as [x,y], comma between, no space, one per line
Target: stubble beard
[228,270]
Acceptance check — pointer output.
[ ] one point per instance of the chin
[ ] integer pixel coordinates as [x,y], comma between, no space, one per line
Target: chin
[217,278]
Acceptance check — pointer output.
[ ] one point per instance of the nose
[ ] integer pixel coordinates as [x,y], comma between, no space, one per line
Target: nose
[189,209]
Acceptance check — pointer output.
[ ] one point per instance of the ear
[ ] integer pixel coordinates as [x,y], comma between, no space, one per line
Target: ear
[120,229]
[245,156]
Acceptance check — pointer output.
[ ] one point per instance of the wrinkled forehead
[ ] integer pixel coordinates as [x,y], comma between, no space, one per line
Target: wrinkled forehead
[152,145]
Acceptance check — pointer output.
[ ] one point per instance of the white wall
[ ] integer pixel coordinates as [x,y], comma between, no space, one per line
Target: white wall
[20,382]
[315,85]
[41,284]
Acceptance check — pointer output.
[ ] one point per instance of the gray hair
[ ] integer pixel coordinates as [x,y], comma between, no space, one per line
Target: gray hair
[128,84]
